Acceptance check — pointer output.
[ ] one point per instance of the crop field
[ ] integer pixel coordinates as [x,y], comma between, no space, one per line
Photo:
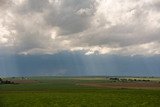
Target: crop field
[79,92]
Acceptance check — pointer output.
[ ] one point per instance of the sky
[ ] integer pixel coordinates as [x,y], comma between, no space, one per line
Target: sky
[80,37]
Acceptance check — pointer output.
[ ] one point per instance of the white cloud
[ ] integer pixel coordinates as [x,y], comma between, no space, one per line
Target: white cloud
[3,40]
[94,26]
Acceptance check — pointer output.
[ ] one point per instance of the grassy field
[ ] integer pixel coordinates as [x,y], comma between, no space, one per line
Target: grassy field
[65,92]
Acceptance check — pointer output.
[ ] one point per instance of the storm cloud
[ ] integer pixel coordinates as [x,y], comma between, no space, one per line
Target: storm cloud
[103,26]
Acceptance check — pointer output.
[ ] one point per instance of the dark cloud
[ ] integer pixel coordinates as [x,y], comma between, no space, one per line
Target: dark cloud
[66,18]
[4,5]
[3,2]
[33,6]
[78,64]
[155,5]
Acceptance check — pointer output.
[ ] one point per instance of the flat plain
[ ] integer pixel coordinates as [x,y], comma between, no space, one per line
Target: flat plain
[80,92]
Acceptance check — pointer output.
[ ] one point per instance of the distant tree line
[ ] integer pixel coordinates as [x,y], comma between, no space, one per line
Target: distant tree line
[6,81]
[127,80]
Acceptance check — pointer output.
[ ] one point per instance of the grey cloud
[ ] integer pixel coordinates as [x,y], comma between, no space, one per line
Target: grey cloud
[80,23]
[77,4]
[31,35]
[154,5]
[118,36]
[157,5]
[4,2]
[33,6]
[134,32]
[4,5]
[66,18]
[80,37]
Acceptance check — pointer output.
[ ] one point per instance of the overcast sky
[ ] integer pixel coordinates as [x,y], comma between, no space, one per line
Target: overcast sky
[102,27]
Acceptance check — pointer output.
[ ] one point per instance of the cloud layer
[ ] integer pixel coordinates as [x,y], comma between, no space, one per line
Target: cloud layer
[78,64]
[125,27]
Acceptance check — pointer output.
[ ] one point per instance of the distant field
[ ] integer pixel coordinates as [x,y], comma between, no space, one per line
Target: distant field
[71,92]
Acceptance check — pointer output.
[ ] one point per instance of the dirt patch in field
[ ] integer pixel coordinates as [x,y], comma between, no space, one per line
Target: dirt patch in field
[25,81]
[133,85]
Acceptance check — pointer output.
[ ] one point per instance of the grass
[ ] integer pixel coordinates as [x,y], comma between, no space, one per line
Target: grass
[65,93]
[81,98]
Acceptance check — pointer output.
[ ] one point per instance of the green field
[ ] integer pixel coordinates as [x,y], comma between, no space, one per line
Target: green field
[64,92]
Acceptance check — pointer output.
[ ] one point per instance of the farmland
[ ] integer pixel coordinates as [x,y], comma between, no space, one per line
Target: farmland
[79,92]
